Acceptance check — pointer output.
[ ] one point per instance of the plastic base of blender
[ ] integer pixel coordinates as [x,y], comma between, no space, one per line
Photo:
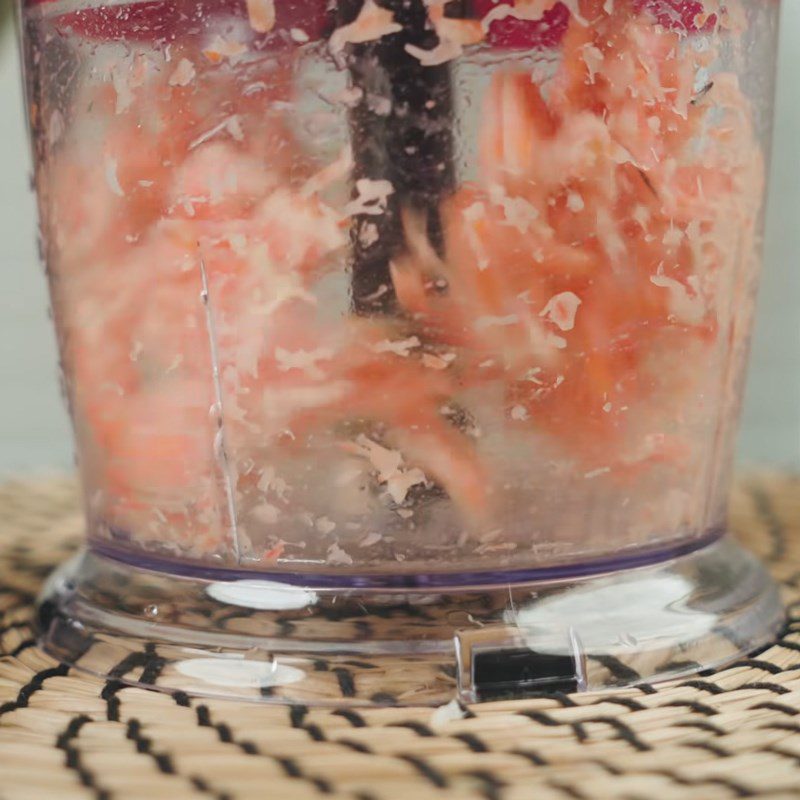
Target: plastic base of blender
[266,641]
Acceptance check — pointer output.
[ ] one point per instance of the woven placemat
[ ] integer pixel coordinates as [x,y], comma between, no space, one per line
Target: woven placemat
[63,734]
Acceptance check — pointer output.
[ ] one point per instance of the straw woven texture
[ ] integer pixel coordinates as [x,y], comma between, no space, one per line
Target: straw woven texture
[733,733]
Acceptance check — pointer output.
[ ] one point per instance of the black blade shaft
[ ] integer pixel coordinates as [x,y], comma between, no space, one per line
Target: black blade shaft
[402,132]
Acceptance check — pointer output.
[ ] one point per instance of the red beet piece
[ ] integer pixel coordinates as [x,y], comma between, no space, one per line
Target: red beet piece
[166,20]
[682,16]
[521,34]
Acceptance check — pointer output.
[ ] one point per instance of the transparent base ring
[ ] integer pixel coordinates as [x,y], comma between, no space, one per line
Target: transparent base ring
[266,641]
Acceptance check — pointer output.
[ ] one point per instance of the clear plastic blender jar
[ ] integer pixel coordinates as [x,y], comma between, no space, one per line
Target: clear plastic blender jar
[406,335]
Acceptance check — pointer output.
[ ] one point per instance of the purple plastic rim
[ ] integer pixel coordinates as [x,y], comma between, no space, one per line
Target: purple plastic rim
[420,580]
